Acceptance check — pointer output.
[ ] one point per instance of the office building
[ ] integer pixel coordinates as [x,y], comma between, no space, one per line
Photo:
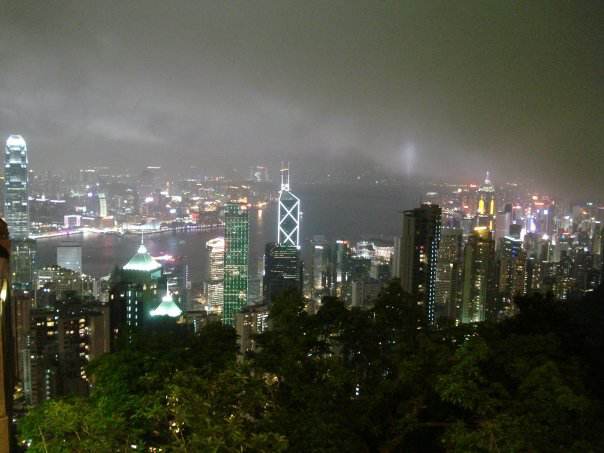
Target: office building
[478,276]
[288,231]
[135,292]
[485,208]
[16,188]
[69,256]
[236,260]
[283,269]
[419,248]
[449,265]
[23,264]
[214,283]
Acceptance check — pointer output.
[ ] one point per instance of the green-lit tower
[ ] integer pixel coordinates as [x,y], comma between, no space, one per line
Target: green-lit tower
[135,292]
[236,257]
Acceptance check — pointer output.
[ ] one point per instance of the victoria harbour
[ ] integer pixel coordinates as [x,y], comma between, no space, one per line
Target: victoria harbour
[328,210]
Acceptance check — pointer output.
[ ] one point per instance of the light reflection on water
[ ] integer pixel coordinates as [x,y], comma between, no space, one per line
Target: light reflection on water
[336,211]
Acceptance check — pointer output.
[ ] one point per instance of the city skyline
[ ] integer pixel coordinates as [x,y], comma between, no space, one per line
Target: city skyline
[429,277]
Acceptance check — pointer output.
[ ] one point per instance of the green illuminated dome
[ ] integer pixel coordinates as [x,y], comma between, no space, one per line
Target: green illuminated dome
[167,307]
[142,261]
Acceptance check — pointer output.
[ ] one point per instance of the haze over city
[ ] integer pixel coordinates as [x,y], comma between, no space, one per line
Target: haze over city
[437,90]
[301,226]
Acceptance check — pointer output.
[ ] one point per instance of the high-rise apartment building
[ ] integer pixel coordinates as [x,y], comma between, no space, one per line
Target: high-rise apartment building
[236,260]
[478,276]
[419,248]
[16,187]
[69,256]
[288,231]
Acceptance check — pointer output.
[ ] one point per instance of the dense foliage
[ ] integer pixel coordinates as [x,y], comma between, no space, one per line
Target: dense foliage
[347,380]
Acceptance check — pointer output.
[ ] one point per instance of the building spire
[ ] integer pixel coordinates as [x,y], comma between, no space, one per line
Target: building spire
[285,177]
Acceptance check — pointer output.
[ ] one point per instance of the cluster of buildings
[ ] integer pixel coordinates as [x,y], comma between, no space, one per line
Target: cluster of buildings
[467,257]
[464,255]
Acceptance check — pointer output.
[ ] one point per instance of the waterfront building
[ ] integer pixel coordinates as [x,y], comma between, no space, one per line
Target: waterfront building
[288,231]
[16,187]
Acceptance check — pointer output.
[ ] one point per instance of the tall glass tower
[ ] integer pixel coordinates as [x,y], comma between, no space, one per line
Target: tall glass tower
[16,187]
[289,213]
[420,242]
[236,257]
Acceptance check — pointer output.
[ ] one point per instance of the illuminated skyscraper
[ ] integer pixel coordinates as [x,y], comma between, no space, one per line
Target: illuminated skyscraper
[448,274]
[485,209]
[288,231]
[135,292]
[16,187]
[236,257]
[478,275]
[419,248]
[215,278]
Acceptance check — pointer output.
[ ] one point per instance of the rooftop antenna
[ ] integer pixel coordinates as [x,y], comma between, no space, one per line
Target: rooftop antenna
[285,177]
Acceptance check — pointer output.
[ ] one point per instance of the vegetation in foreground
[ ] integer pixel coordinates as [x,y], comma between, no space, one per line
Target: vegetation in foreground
[347,380]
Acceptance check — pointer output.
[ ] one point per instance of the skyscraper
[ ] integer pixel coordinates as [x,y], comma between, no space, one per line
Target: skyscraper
[134,292]
[448,274]
[485,209]
[236,257]
[419,248]
[512,276]
[478,275]
[23,264]
[288,231]
[215,277]
[283,269]
[16,187]
[69,255]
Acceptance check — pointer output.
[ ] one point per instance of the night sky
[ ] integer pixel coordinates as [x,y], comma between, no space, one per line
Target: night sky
[448,89]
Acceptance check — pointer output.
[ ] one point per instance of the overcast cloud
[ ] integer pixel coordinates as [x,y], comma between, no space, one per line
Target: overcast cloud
[516,88]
